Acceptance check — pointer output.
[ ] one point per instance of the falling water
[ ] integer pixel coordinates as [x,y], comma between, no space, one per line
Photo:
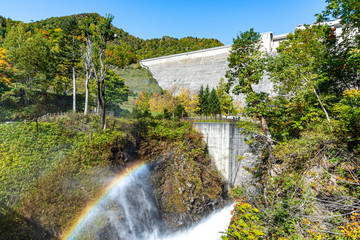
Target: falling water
[128,211]
[209,228]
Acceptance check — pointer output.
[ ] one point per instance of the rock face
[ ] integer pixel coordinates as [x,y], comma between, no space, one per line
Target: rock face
[225,144]
[186,188]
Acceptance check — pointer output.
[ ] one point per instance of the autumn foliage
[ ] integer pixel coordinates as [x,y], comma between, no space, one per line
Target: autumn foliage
[5,68]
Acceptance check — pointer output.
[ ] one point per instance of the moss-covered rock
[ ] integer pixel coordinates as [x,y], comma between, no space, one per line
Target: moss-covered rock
[186,184]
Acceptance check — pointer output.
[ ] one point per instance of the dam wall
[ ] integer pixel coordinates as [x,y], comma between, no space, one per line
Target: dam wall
[225,143]
[206,67]
[190,70]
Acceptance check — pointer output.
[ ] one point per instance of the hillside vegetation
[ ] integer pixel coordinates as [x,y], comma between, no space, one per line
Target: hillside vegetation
[126,48]
[307,185]
[45,60]
[51,170]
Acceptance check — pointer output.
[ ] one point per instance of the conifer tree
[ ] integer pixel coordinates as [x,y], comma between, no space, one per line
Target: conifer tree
[214,103]
[201,100]
[206,105]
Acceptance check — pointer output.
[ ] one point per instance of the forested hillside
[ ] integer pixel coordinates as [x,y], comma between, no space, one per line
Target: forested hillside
[63,56]
[126,48]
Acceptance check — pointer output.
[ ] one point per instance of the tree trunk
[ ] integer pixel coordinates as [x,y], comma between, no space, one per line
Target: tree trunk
[321,104]
[103,115]
[101,102]
[323,108]
[269,141]
[87,58]
[74,90]
[86,95]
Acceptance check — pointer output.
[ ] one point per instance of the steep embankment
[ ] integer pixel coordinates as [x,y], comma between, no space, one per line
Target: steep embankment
[187,186]
[310,191]
[51,170]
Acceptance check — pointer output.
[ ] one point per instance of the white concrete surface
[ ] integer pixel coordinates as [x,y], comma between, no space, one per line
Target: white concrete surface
[225,144]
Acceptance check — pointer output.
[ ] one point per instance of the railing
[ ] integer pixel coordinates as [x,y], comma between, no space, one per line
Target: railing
[54,115]
[50,115]
[211,119]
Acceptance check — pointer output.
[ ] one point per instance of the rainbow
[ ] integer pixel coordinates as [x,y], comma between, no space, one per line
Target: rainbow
[75,227]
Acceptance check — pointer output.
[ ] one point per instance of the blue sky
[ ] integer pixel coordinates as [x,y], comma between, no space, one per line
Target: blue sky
[220,19]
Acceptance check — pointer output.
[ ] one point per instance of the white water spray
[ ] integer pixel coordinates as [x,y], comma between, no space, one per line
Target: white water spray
[209,228]
[129,212]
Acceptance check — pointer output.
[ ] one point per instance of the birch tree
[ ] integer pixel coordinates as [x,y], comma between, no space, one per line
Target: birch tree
[70,49]
[87,59]
[102,33]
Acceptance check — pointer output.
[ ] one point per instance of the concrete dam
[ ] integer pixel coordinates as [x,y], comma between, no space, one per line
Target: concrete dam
[225,143]
[206,67]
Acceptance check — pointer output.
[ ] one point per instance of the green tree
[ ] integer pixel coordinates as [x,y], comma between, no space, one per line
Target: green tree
[226,100]
[344,57]
[102,34]
[247,65]
[33,58]
[346,10]
[214,103]
[69,50]
[87,56]
[116,91]
[201,100]
[206,105]
[297,69]
[97,33]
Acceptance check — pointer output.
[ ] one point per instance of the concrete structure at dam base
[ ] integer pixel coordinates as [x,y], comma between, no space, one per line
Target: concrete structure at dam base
[225,145]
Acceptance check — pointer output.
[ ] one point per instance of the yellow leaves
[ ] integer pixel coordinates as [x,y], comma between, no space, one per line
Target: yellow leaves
[188,100]
[57,30]
[169,100]
[2,53]
[352,229]
[5,67]
[238,107]
[352,93]
[245,223]
[142,102]
[158,103]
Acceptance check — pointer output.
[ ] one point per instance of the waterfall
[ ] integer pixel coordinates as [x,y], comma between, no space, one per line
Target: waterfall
[128,211]
[209,228]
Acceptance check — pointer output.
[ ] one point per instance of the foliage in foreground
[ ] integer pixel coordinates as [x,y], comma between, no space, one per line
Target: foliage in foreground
[311,191]
[51,170]
[307,184]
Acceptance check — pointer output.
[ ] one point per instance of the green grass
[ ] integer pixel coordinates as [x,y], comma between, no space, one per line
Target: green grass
[138,79]
[49,171]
